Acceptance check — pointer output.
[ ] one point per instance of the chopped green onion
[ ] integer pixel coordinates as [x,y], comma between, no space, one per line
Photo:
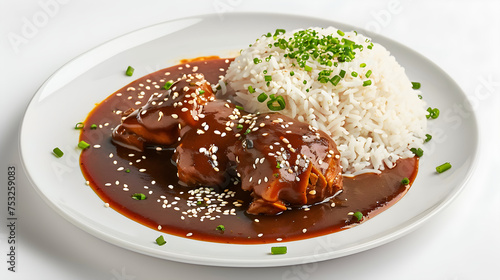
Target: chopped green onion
[57,152]
[340,32]
[308,68]
[428,138]
[257,61]
[342,73]
[239,107]
[220,227]
[419,96]
[79,125]
[415,85]
[279,32]
[368,73]
[139,196]
[278,250]
[292,73]
[433,113]
[358,215]
[335,80]
[168,85]
[367,83]
[127,170]
[418,152]
[201,92]
[130,71]
[362,65]
[443,167]
[354,74]
[265,71]
[83,145]
[271,104]
[247,131]
[268,78]
[239,126]
[251,89]
[278,165]
[93,126]
[262,97]
[161,241]
[304,82]
[405,181]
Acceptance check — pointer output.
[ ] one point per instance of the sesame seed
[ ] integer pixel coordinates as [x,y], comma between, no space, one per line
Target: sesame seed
[106,205]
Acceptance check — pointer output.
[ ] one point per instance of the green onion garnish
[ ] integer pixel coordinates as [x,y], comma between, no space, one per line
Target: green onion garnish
[139,196]
[93,126]
[335,80]
[251,89]
[276,175]
[292,73]
[443,167]
[358,215]
[247,131]
[278,250]
[168,85]
[161,241]
[418,152]
[79,125]
[220,227]
[362,65]
[239,107]
[239,126]
[415,85]
[83,145]
[342,73]
[304,82]
[57,152]
[368,73]
[201,92]
[256,61]
[271,104]
[419,96]
[340,32]
[367,83]
[130,71]
[278,165]
[405,181]
[433,113]
[262,97]
[354,74]
[428,138]
[268,78]
[308,68]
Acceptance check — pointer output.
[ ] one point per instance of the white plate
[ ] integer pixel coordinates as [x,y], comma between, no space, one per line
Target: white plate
[68,96]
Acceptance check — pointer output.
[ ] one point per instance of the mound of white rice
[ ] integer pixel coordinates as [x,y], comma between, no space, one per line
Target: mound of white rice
[373,125]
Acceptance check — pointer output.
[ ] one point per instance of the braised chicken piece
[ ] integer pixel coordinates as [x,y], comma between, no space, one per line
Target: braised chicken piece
[283,163]
[286,163]
[162,119]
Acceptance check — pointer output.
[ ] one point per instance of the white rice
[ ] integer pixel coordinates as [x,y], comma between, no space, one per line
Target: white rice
[373,126]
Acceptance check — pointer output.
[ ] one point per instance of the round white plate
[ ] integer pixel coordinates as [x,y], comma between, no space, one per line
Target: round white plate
[69,95]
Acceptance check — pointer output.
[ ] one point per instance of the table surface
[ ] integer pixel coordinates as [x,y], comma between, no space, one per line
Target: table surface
[461,242]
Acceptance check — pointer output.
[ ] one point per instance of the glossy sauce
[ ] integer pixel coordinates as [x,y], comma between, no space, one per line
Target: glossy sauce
[116,173]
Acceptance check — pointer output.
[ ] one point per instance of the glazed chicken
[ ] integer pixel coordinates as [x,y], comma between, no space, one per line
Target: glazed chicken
[283,163]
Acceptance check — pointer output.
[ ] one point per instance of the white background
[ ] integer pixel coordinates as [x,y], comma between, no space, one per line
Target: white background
[462,37]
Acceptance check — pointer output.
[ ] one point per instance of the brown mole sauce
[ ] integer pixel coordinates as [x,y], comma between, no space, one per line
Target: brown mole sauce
[116,173]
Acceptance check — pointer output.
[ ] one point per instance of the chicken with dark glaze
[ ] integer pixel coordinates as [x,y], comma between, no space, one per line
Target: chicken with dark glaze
[282,162]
